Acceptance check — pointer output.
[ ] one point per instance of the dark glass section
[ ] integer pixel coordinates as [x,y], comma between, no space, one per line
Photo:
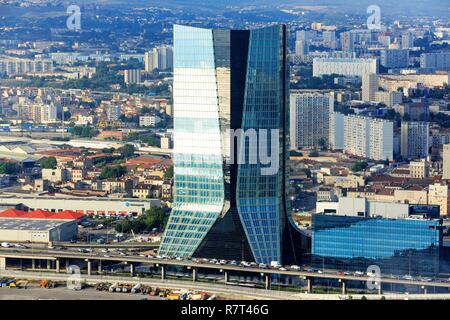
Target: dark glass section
[226,240]
[425,211]
[238,58]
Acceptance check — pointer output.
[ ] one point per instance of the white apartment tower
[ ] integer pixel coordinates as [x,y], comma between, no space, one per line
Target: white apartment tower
[336,131]
[310,118]
[368,137]
[160,58]
[132,76]
[369,86]
[446,161]
[414,139]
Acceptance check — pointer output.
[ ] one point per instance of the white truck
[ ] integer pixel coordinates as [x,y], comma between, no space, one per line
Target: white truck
[275,264]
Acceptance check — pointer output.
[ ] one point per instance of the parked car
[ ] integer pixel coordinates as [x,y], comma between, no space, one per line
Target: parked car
[275,264]
[245,264]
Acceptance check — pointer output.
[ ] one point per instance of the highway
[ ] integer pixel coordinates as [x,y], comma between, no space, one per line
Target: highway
[125,245]
[51,254]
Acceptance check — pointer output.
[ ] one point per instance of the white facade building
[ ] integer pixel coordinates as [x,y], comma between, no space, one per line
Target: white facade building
[344,66]
[149,121]
[98,206]
[336,131]
[414,139]
[12,66]
[446,161]
[395,58]
[389,98]
[369,86]
[160,58]
[368,137]
[362,207]
[435,61]
[132,76]
[310,118]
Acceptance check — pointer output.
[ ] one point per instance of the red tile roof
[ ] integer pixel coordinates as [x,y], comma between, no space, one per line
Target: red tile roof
[68,214]
[12,213]
[41,214]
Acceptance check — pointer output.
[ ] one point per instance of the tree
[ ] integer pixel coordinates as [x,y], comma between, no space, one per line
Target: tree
[84,131]
[48,163]
[108,150]
[359,166]
[8,167]
[294,153]
[152,140]
[307,171]
[323,143]
[133,136]
[124,226]
[169,173]
[127,151]
[314,153]
[152,218]
[112,172]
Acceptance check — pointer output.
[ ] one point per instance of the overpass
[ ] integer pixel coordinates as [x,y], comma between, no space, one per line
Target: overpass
[54,257]
[127,245]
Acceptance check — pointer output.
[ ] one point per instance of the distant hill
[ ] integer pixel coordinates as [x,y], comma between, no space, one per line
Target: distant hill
[391,8]
[400,7]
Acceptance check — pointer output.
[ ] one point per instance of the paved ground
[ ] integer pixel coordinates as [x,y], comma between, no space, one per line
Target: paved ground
[62,293]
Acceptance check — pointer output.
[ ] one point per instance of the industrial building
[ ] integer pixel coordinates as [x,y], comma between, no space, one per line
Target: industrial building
[37,230]
[96,206]
[38,226]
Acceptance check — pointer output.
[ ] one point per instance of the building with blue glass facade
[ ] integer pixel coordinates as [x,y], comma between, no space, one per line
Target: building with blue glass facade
[397,246]
[226,81]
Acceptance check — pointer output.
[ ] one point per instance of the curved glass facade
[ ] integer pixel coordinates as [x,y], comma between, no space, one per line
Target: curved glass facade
[260,197]
[198,170]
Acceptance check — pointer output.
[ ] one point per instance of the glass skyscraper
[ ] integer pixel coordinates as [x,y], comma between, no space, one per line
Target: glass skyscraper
[397,246]
[226,81]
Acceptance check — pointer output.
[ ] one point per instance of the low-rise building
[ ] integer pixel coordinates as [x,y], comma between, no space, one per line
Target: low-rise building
[419,169]
[144,191]
[85,204]
[439,194]
[117,186]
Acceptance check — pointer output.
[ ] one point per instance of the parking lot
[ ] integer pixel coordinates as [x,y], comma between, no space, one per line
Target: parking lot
[62,293]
